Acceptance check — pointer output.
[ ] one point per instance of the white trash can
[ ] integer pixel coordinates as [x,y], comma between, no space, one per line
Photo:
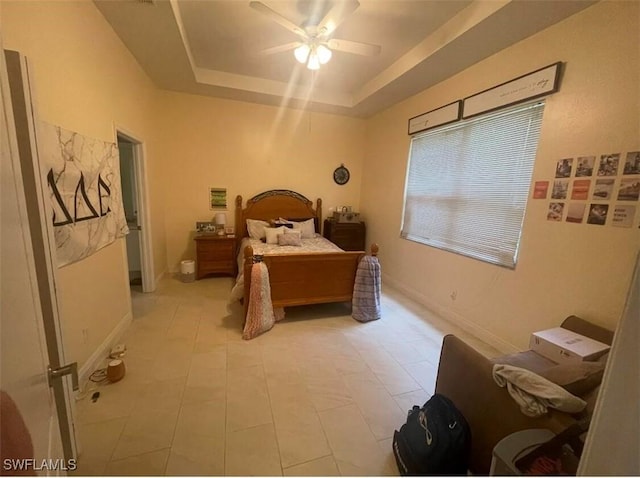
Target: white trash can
[188,271]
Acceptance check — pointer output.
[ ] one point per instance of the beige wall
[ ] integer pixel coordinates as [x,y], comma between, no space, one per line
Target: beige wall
[563,268]
[249,148]
[85,80]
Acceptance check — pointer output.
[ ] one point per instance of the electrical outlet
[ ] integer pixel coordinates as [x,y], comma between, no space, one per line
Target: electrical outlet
[85,335]
[454,295]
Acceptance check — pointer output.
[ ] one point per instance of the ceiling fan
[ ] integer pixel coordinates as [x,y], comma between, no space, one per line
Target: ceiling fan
[315,45]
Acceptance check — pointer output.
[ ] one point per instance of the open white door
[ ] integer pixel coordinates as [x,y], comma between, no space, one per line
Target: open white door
[25,360]
[34,371]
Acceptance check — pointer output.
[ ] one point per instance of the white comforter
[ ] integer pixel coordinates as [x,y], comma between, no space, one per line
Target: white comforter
[316,244]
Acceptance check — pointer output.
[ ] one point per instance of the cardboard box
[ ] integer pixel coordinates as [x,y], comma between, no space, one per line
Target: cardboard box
[562,346]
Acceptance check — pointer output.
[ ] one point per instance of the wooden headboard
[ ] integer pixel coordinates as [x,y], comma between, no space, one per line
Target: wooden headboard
[274,204]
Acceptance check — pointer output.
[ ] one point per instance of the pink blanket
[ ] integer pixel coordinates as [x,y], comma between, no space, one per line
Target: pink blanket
[260,314]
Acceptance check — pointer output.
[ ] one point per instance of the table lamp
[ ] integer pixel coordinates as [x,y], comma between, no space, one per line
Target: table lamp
[220,219]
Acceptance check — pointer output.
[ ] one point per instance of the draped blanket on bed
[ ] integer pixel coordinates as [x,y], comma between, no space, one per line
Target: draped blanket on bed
[365,305]
[260,314]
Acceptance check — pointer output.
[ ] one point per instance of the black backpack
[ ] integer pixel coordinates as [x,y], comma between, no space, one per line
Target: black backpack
[436,440]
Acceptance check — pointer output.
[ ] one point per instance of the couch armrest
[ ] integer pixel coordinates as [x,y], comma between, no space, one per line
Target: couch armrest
[465,376]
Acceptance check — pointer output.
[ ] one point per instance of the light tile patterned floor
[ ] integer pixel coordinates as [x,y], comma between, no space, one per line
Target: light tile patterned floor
[319,395]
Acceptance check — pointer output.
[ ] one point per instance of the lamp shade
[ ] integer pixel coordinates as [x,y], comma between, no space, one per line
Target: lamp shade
[302,53]
[220,219]
[324,54]
[314,62]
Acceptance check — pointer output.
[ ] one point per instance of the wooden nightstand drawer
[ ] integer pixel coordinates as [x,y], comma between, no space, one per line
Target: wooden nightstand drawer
[215,255]
[215,266]
[347,236]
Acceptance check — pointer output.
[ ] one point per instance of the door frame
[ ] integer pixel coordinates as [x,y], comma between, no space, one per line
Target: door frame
[142,199]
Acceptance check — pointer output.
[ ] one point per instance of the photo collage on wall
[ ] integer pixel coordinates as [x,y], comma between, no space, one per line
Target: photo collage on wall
[602,190]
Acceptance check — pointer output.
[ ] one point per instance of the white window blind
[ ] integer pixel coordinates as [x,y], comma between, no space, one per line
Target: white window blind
[467,184]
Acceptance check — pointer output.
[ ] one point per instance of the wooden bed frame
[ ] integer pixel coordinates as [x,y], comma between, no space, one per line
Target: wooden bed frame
[297,279]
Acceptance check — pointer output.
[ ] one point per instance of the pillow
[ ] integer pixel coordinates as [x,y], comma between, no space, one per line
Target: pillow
[271,234]
[282,222]
[576,378]
[255,228]
[307,228]
[289,239]
[293,231]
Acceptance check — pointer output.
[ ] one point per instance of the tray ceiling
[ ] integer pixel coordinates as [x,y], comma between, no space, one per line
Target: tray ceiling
[214,47]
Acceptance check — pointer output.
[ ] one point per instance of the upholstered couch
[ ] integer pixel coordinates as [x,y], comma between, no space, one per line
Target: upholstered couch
[465,376]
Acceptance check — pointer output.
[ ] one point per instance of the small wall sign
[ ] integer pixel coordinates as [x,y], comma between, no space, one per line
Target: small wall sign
[538,83]
[438,117]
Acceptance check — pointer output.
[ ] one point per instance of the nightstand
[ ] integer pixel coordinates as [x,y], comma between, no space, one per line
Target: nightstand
[349,236]
[215,255]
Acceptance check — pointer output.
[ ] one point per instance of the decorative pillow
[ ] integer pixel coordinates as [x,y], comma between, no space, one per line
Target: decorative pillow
[293,231]
[307,228]
[272,233]
[281,222]
[289,239]
[255,228]
[576,378]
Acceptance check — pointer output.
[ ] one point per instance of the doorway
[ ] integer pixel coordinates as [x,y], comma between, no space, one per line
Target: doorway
[134,198]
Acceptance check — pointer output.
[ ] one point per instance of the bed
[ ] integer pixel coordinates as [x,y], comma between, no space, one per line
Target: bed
[297,278]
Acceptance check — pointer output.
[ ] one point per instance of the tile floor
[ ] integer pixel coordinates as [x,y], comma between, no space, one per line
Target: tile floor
[319,395]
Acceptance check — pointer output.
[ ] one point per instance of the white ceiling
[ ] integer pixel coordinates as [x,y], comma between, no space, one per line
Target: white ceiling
[213,47]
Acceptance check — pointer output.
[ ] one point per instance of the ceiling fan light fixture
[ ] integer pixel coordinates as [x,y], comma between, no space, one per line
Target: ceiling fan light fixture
[324,54]
[314,61]
[302,53]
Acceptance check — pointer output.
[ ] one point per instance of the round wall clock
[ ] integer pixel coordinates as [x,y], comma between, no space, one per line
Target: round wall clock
[341,175]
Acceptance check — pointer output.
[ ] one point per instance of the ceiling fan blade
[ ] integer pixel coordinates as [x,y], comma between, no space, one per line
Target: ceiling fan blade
[281,48]
[276,17]
[336,16]
[358,48]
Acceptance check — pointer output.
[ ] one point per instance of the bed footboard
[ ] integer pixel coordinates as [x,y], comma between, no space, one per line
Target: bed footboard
[301,279]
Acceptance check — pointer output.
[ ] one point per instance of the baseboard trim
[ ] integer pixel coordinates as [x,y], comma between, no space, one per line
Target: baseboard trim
[102,352]
[451,316]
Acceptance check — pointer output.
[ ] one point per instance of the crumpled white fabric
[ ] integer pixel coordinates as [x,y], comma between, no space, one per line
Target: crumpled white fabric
[535,394]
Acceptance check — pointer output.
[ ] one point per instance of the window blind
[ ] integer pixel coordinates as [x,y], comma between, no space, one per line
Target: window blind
[467,184]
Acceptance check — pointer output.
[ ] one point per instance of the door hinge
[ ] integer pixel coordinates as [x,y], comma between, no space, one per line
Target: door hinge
[70,369]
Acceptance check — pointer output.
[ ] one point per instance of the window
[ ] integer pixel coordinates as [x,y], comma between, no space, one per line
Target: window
[467,184]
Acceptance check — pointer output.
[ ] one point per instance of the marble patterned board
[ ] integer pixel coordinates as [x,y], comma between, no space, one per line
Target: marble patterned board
[83,180]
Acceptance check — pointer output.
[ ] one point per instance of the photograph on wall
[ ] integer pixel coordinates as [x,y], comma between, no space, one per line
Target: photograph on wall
[580,189]
[563,168]
[629,189]
[603,189]
[598,214]
[555,211]
[560,189]
[623,215]
[540,189]
[632,163]
[608,165]
[217,198]
[575,212]
[585,166]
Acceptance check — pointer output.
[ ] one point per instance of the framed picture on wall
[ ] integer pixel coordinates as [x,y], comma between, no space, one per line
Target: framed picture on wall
[217,198]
